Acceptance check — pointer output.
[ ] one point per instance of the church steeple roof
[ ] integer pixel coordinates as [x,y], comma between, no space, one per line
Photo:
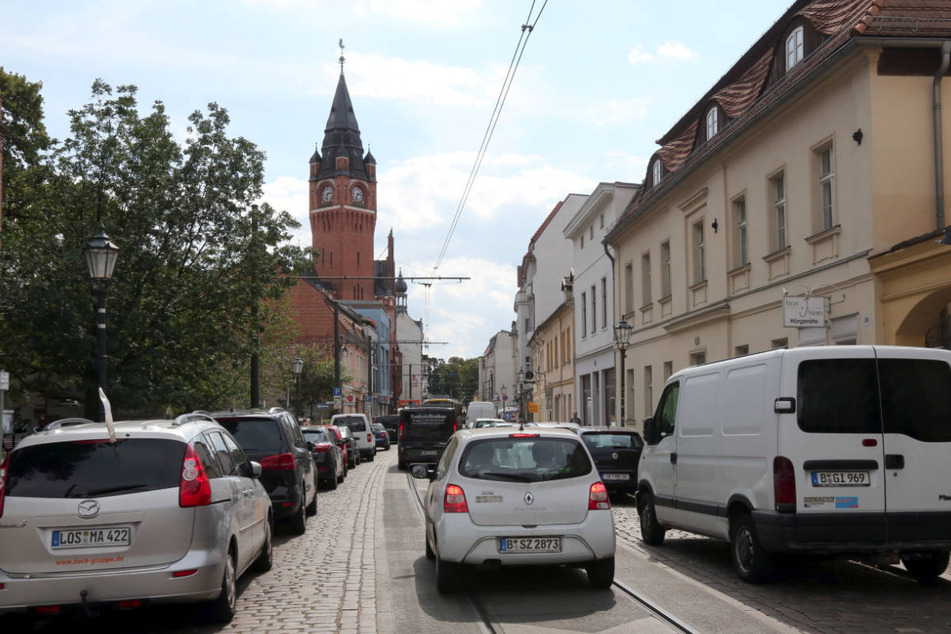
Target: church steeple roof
[342,139]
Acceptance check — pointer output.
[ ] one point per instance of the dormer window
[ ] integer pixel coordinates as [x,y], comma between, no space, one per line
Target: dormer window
[794,48]
[713,125]
[657,172]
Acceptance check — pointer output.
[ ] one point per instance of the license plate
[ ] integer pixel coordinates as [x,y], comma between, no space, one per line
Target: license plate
[428,452]
[530,545]
[88,537]
[616,476]
[840,479]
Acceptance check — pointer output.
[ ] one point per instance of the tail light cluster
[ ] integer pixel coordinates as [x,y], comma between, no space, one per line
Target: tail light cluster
[280,462]
[370,437]
[455,501]
[598,499]
[784,481]
[3,480]
[195,488]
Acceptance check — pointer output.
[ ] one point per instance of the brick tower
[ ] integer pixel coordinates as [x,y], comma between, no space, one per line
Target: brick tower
[343,204]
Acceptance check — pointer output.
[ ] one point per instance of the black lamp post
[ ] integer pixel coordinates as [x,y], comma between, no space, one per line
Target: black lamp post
[101,254]
[622,336]
[298,365]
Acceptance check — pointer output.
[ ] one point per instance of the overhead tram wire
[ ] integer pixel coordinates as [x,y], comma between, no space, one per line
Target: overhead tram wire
[528,27]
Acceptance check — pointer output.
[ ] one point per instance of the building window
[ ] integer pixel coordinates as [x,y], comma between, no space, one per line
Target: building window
[777,344]
[826,188]
[628,288]
[648,389]
[712,123]
[591,231]
[658,169]
[699,254]
[665,262]
[777,189]
[740,256]
[698,358]
[740,351]
[668,369]
[602,221]
[794,48]
[594,311]
[604,302]
[582,240]
[584,314]
[645,279]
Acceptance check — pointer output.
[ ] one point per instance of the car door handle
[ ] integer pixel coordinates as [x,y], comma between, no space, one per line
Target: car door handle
[673,457]
[894,461]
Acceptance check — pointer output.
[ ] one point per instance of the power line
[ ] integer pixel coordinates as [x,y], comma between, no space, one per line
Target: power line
[527,29]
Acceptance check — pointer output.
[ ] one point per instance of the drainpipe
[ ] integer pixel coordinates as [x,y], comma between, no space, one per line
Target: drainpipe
[938,137]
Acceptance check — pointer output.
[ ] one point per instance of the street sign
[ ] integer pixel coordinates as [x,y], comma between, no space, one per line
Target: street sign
[323,406]
[533,408]
[4,380]
[368,398]
[349,398]
[338,402]
[338,392]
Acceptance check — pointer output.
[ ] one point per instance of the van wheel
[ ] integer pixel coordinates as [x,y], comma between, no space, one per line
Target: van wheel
[652,533]
[751,561]
[601,573]
[926,567]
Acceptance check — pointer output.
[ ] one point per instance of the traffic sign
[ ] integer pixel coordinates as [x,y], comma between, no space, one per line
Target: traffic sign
[533,407]
[338,392]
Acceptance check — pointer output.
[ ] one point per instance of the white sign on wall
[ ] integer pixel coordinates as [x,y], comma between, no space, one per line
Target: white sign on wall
[804,312]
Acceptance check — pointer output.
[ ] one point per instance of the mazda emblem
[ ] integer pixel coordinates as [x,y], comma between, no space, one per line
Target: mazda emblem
[88,508]
[529,498]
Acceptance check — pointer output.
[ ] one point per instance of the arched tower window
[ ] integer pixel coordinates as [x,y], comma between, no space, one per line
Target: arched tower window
[794,48]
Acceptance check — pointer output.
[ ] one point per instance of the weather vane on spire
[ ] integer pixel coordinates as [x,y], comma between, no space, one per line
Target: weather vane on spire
[341,55]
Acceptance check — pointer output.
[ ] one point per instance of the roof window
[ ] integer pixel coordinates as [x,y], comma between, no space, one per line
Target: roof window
[794,49]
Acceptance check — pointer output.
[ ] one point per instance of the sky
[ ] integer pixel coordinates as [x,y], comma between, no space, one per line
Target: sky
[598,81]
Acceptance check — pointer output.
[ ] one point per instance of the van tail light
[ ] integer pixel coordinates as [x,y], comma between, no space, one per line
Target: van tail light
[598,499]
[280,462]
[370,437]
[784,483]
[455,500]
[195,488]
[401,429]
[3,480]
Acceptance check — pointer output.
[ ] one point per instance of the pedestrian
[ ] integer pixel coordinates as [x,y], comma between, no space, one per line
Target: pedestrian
[40,426]
[575,419]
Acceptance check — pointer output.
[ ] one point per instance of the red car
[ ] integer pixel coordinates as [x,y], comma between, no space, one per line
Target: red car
[345,440]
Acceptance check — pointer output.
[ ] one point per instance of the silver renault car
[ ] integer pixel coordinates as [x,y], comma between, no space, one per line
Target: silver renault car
[96,516]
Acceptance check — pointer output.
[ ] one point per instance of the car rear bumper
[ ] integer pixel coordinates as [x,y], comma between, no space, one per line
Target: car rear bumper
[151,585]
[459,540]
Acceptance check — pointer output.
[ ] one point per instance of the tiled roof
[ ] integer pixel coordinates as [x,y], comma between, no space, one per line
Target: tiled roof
[743,92]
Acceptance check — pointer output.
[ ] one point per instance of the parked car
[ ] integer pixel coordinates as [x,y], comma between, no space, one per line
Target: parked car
[392,424]
[156,511]
[360,426]
[479,423]
[289,475]
[424,432]
[381,436]
[616,452]
[511,497]
[827,450]
[328,456]
[349,445]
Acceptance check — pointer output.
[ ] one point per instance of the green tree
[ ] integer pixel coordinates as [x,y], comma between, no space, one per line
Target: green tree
[197,258]
[457,378]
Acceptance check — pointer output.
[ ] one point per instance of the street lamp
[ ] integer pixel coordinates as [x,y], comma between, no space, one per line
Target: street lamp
[101,254]
[504,398]
[622,336]
[298,365]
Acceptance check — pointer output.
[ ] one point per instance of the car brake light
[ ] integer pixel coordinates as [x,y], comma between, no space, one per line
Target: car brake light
[370,437]
[455,500]
[401,429]
[322,447]
[598,499]
[195,488]
[3,480]
[523,435]
[281,462]
[47,609]
[784,480]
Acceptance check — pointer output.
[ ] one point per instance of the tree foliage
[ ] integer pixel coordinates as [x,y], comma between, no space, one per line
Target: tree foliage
[198,258]
[457,378]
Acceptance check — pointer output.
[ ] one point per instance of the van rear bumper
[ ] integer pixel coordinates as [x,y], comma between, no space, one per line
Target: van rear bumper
[853,532]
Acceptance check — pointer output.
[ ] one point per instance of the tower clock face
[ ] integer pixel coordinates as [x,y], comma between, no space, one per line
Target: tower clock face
[326,193]
[357,195]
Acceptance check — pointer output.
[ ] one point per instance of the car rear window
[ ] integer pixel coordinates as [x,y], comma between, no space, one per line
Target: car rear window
[254,434]
[428,423]
[612,440]
[524,459]
[355,423]
[316,435]
[95,469]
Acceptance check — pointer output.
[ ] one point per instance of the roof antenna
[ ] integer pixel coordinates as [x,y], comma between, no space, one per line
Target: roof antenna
[342,60]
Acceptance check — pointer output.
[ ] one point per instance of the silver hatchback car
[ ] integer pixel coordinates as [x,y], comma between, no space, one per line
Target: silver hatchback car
[149,511]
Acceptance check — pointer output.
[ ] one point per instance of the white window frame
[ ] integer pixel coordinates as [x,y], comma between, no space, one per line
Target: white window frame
[713,123]
[657,171]
[741,252]
[826,185]
[777,188]
[646,279]
[665,279]
[794,48]
[699,254]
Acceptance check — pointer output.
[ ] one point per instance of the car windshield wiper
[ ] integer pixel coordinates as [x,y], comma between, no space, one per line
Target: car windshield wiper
[116,489]
[505,475]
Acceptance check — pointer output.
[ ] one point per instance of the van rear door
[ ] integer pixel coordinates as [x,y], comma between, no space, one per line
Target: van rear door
[915,389]
[834,441]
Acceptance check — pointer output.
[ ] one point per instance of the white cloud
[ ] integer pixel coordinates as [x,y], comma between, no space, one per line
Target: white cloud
[666,51]
[290,195]
[425,12]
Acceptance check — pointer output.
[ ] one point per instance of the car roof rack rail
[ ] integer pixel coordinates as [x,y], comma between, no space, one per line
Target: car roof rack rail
[198,414]
[69,422]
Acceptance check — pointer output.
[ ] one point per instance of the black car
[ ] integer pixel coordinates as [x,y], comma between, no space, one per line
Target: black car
[424,432]
[616,452]
[391,423]
[328,455]
[274,439]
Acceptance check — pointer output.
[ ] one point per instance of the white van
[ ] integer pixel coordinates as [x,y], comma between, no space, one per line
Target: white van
[480,409]
[819,450]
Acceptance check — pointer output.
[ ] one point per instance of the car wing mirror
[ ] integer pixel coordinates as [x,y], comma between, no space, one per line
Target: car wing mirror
[423,471]
[255,469]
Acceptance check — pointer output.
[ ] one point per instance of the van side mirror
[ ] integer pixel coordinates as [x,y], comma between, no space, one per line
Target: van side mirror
[650,431]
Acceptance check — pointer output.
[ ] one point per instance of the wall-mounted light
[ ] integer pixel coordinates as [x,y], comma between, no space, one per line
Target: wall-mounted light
[857,136]
[715,225]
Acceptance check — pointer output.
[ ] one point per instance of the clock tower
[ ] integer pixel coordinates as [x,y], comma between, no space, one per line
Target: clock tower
[343,204]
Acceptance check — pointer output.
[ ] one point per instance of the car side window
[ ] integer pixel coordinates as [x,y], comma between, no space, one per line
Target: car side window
[238,457]
[223,453]
[666,417]
[443,467]
[207,457]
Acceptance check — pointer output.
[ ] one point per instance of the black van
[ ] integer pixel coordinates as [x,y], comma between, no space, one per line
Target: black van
[424,432]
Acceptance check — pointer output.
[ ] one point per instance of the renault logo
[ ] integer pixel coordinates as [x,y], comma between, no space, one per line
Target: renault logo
[529,498]
[88,508]
[614,456]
